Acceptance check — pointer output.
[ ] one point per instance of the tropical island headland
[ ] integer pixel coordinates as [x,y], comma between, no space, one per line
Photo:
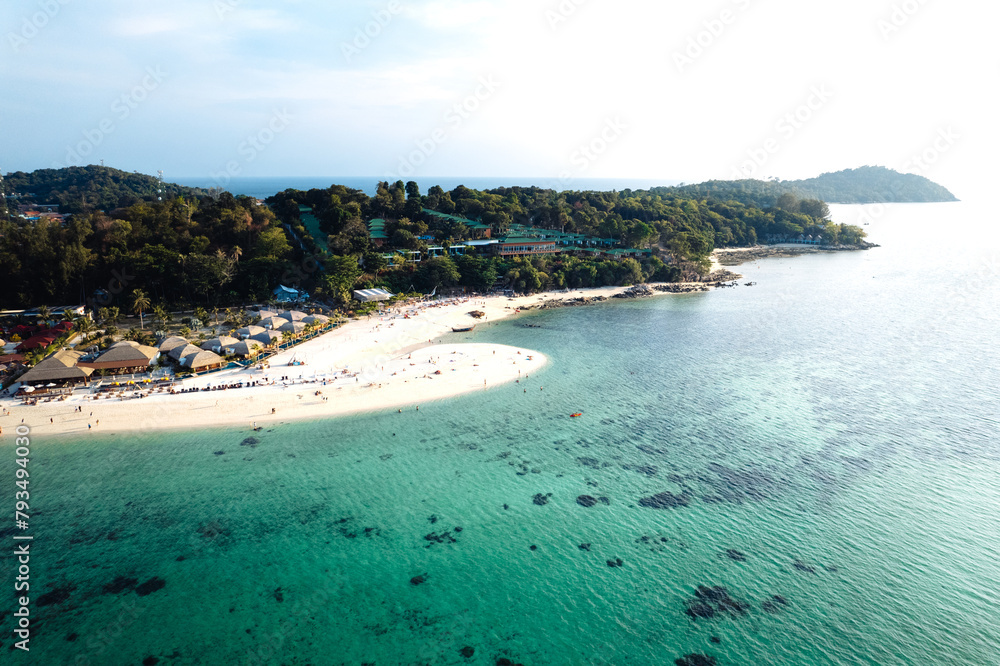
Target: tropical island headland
[144,265]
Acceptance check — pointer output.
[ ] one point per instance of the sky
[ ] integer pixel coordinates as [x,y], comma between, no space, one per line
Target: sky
[560,89]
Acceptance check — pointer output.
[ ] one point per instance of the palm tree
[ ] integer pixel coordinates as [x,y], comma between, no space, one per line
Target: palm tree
[161,317]
[237,253]
[201,314]
[83,325]
[140,303]
[44,314]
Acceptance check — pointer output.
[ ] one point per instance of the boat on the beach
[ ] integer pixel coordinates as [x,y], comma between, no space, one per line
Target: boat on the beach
[462,329]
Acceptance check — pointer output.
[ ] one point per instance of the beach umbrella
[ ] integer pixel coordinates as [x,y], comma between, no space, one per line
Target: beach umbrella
[293,315]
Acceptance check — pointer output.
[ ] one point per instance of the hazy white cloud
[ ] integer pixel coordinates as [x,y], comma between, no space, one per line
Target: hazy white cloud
[563,68]
[149,24]
[451,14]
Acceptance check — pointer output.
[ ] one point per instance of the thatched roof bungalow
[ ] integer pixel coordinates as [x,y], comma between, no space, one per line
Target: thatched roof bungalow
[60,369]
[203,360]
[247,348]
[125,356]
[178,353]
[249,331]
[220,344]
[267,338]
[272,323]
[295,327]
[167,345]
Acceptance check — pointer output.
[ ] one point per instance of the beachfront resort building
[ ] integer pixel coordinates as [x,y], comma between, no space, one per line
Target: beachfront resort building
[58,370]
[519,246]
[220,345]
[372,295]
[124,357]
[202,361]
[283,294]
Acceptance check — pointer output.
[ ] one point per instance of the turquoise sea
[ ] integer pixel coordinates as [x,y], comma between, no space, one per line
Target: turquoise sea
[828,439]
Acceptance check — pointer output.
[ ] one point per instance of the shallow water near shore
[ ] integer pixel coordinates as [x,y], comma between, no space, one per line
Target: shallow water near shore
[828,438]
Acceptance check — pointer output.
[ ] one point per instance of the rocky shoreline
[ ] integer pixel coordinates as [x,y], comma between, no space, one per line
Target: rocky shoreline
[722,278]
[737,256]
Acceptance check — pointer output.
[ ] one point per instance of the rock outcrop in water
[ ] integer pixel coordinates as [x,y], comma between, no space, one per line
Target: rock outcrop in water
[695,660]
[152,585]
[802,566]
[586,500]
[55,597]
[121,584]
[444,537]
[665,500]
[540,499]
[710,601]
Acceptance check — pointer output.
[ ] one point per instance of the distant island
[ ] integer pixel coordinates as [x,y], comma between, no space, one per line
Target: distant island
[81,189]
[867,184]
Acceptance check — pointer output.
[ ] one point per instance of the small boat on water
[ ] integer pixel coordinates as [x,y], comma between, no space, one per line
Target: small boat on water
[462,329]
[573,416]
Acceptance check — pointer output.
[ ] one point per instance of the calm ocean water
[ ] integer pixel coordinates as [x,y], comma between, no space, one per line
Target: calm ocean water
[262,187]
[828,438]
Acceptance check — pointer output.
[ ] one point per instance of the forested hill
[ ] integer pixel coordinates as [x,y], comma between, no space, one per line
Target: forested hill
[871,184]
[89,188]
[868,184]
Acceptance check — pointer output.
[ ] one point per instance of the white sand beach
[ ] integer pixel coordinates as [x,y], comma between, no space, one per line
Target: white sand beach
[396,361]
